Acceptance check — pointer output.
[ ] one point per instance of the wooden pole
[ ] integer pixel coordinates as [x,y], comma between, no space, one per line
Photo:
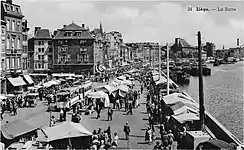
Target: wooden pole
[201,96]
[167,69]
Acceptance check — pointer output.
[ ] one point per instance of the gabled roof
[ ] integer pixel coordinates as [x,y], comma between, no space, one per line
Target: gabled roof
[73,28]
[184,43]
[42,34]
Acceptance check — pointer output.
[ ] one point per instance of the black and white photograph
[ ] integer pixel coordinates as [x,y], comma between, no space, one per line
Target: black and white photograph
[122,74]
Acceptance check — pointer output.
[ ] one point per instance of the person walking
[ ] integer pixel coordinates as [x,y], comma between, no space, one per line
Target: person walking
[127,130]
[110,114]
[130,109]
[98,111]
[109,134]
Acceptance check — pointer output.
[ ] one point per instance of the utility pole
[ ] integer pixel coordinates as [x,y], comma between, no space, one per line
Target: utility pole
[159,61]
[201,96]
[167,47]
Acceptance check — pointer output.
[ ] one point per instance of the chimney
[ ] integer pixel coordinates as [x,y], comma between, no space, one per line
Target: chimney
[177,40]
[37,28]
[238,42]
[64,26]
[83,25]
[9,1]
[55,32]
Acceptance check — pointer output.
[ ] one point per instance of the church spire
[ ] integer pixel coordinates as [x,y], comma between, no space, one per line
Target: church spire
[101,28]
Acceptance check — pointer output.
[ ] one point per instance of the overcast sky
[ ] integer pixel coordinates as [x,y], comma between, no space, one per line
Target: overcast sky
[158,21]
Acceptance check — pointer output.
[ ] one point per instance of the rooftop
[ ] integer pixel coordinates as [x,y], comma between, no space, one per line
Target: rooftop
[73,31]
[42,34]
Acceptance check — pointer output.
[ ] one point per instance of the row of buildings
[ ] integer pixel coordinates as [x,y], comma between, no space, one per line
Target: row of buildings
[73,48]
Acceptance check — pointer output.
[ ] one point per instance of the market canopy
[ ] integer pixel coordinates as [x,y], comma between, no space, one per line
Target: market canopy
[176,97]
[127,82]
[186,117]
[17,81]
[105,88]
[100,94]
[121,90]
[16,128]
[28,79]
[66,130]
[184,110]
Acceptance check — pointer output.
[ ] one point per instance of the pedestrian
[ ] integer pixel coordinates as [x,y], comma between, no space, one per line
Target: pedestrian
[171,138]
[52,121]
[130,109]
[158,146]
[98,111]
[115,142]
[141,88]
[110,114]
[2,112]
[118,104]
[61,115]
[127,130]
[109,134]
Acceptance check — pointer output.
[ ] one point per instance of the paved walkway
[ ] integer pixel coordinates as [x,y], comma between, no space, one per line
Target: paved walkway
[138,122]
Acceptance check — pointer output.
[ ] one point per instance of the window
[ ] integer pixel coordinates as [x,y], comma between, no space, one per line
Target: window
[36,65]
[43,65]
[13,25]
[12,62]
[7,7]
[8,25]
[40,42]
[18,26]
[12,8]
[68,34]
[28,65]
[50,50]
[49,42]
[78,33]
[39,50]
[18,62]
[7,63]
[39,65]
[18,43]
[42,50]
[17,9]
[24,37]
[8,42]
[13,42]
[68,58]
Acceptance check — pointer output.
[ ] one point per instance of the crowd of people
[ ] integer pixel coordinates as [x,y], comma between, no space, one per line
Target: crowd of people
[103,139]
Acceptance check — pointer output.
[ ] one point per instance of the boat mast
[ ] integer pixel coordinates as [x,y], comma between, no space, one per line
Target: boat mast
[167,47]
[201,98]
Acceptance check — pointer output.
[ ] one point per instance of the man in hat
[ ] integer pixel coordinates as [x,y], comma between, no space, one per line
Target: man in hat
[127,130]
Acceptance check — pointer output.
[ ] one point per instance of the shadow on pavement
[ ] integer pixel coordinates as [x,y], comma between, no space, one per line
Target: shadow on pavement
[145,119]
[93,117]
[143,129]
[142,142]
[138,136]
[143,112]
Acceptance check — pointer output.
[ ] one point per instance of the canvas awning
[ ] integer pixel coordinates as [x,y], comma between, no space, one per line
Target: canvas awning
[28,79]
[17,81]
[100,94]
[66,130]
[186,117]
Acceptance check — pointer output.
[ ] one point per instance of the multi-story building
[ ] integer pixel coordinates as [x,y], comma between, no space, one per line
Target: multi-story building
[98,46]
[3,47]
[113,41]
[25,30]
[209,48]
[40,49]
[73,49]
[12,15]
[183,49]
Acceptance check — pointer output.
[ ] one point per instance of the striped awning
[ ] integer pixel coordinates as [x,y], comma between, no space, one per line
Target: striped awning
[17,81]
[28,79]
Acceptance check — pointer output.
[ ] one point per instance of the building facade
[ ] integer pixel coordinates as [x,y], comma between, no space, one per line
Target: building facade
[12,15]
[183,49]
[99,46]
[209,48]
[25,30]
[73,50]
[41,50]
[113,41]
[3,47]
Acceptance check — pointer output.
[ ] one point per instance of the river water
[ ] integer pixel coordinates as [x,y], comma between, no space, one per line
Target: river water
[223,95]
